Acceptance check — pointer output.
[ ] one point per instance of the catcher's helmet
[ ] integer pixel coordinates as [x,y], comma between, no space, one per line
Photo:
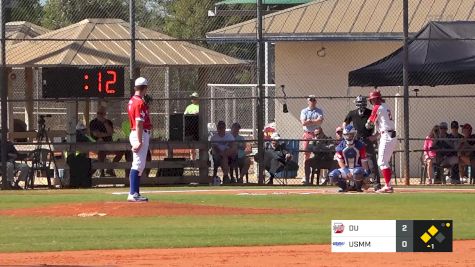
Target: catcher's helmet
[376,94]
[360,101]
[349,134]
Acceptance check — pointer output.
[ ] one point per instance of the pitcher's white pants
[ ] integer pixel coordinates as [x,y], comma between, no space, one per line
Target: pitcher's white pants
[385,150]
[139,158]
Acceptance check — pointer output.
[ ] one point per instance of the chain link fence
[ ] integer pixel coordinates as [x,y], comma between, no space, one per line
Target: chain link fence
[209,48]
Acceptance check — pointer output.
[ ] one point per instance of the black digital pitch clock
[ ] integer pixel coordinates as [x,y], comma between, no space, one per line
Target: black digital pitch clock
[78,82]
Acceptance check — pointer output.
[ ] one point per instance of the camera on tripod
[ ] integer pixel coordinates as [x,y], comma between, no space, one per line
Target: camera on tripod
[41,119]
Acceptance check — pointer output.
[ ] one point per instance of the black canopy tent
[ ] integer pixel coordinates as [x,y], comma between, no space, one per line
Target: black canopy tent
[442,53]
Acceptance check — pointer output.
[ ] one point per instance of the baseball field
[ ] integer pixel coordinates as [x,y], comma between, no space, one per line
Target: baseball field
[219,226]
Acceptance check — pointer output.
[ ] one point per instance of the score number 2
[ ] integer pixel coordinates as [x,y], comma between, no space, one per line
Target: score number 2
[109,82]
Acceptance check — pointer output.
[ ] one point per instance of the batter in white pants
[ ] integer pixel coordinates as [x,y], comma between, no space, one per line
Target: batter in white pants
[385,151]
[139,158]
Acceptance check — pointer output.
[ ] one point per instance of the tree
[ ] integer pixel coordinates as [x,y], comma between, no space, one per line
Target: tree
[26,10]
[60,13]
[188,19]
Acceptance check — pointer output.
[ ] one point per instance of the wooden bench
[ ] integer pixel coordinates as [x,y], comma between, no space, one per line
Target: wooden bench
[159,149]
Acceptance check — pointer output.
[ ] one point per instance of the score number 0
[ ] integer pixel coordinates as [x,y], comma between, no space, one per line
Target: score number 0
[108,84]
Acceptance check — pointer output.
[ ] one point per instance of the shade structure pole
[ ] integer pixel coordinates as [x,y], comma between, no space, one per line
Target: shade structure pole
[405,73]
[261,97]
[3,93]
[132,44]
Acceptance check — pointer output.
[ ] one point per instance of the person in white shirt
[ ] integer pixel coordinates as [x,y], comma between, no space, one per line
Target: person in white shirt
[224,149]
[311,117]
[382,119]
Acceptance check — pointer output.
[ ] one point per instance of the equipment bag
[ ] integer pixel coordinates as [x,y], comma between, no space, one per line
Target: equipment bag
[80,171]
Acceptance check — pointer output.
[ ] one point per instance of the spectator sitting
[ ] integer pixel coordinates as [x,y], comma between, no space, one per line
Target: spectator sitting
[319,136]
[446,155]
[429,153]
[14,167]
[277,158]
[102,129]
[466,149]
[454,130]
[243,162]
[323,149]
[223,150]
[454,134]
[338,135]
[269,129]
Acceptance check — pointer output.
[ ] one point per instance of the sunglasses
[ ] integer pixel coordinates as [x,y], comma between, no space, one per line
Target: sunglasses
[339,132]
[312,99]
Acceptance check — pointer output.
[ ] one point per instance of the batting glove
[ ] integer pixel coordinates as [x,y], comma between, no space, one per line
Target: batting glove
[369,125]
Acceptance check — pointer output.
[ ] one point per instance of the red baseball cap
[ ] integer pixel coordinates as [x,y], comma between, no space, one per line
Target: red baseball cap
[467,126]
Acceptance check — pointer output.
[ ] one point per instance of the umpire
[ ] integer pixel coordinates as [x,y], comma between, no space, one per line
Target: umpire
[358,117]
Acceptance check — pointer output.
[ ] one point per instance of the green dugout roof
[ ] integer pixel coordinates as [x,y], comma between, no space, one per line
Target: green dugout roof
[265,2]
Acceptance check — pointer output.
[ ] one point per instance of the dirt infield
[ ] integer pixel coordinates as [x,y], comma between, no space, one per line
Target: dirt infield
[304,255]
[301,191]
[127,209]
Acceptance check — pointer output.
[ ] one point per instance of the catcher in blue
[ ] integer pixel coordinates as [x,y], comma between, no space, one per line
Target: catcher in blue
[351,156]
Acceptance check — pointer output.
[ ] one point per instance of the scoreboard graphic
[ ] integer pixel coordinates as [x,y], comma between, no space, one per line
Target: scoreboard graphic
[391,235]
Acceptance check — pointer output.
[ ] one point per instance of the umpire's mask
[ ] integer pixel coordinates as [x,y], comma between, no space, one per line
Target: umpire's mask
[361,104]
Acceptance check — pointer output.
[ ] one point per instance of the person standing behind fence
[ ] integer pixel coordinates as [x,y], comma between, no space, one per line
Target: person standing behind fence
[359,117]
[242,149]
[382,118]
[141,127]
[311,117]
[430,154]
[194,107]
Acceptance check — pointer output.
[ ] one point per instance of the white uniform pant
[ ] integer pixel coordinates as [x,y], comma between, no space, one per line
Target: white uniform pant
[385,150]
[140,157]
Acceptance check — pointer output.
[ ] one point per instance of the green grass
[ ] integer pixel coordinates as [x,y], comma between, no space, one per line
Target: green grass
[311,225]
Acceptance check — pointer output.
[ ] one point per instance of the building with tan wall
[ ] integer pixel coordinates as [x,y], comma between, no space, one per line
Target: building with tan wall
[351,35]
